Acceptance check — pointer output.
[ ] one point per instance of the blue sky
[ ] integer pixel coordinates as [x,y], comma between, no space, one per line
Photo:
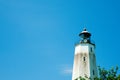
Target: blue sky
[37,37]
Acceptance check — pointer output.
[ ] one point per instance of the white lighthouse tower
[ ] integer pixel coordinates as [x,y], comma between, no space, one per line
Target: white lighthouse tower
[84,59]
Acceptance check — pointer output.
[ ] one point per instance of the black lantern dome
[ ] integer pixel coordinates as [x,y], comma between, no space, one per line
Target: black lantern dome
[85,36]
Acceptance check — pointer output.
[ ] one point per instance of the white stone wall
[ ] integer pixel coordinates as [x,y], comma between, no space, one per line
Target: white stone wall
[84,61]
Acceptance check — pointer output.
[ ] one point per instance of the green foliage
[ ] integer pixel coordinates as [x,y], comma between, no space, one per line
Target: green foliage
[108,74]
[82,78]
[104,74]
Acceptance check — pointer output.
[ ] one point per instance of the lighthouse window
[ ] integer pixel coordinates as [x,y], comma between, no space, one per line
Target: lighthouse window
[83,58]
[91,49]
[93,72]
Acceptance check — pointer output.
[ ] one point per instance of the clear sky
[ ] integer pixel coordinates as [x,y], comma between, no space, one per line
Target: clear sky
[37,37]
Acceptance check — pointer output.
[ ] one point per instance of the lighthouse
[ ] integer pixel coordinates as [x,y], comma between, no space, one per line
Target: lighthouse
[84,58]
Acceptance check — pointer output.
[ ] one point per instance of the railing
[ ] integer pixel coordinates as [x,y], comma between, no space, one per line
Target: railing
[81,41]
